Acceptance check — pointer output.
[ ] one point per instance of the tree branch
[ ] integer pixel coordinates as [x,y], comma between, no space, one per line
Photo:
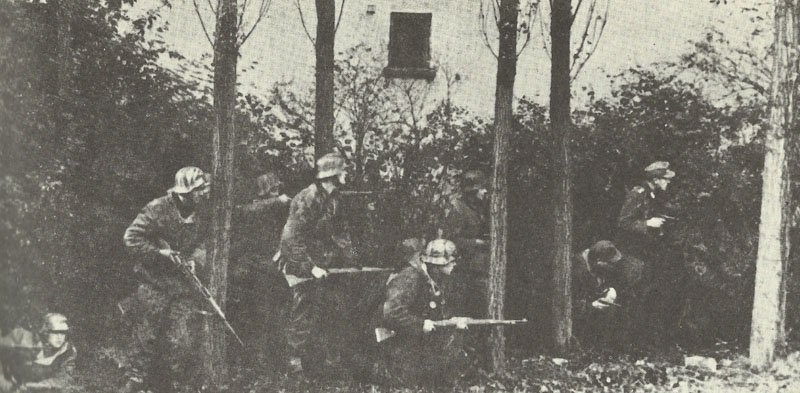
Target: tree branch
[263,9]
[303,22]
[339,19]
[202,23]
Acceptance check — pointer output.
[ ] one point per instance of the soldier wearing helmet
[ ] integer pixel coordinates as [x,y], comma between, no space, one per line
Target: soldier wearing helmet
[169,230]
[52,368]
[258,292]
[607,290]
[415,297]
[314,239]
[466,219]
[641,218]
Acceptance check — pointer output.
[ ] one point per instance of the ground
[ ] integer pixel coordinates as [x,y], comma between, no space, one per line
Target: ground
[589,372]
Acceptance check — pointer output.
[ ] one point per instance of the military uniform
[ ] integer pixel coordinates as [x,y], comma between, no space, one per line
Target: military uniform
[258,295]
[614,326]
[33,370]
[166,318]
[635,237]
[314,236]
[413,356]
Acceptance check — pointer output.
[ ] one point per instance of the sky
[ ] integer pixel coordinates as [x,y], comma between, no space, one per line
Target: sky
[638,32]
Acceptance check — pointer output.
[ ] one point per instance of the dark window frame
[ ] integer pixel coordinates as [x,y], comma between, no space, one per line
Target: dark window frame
[410,46]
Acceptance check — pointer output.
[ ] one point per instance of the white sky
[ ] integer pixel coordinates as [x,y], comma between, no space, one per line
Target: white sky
[638,32]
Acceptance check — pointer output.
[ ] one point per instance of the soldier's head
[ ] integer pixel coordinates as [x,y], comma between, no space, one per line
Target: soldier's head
[269,185]
[659,175]
[54,330]
[603,255]
[475,184]
[332,168]
[192,185]
[440,256]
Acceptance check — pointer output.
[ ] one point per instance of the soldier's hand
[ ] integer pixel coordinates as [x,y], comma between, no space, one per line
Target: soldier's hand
[428,326]
[655,222]
[191,265]
[599,305]
[284,198]
[318,272]
[172,255]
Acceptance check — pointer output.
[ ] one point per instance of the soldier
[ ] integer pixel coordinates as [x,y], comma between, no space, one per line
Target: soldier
[52,368]
[313,239]
[418,352]
[607,292]
[466,220]
[171,226]
[642,215]
[258,294]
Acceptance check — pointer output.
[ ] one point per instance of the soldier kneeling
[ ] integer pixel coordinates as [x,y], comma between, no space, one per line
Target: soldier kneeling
[415,350]
[607,288]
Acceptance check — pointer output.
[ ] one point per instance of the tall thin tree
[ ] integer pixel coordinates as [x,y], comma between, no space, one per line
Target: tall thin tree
[226,42]
[503,126]
[769,297]
[560,123]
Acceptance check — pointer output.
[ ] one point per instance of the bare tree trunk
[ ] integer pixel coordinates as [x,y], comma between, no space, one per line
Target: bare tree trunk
[226,53]
[323,115]
[768,301]
[561,20]
[503,126]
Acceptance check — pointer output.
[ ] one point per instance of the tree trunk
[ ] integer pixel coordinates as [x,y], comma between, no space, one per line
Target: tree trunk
[323,115]
[768,301]
[561,20]
[503,126]
[226,53]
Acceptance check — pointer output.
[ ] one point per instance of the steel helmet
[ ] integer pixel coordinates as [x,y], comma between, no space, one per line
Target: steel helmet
[54,323]
[604,251]
[440,252]
[268,183]
[189,179]
[330,165]
[659,170]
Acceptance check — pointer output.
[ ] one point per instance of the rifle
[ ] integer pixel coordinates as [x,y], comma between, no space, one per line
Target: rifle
[293,280]
[383,334]
[189,273]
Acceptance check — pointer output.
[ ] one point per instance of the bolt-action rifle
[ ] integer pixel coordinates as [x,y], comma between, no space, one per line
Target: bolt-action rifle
[293,280]
[383,334]
[187,270]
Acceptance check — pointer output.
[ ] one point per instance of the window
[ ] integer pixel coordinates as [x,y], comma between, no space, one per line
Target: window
[410,46]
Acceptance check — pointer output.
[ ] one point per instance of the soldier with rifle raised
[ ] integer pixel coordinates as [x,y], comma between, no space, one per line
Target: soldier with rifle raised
[418,346]
[168,239]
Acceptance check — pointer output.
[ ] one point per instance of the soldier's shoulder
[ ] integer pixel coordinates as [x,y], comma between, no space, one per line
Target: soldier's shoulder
[160,203]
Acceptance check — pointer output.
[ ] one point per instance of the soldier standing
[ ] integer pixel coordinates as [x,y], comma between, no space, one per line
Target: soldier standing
[641,218]
[171,226]
[418,352]
[314,239]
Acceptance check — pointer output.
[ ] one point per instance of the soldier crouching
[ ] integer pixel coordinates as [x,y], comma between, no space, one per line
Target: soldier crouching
[165,312]
[607,295]
[414,351]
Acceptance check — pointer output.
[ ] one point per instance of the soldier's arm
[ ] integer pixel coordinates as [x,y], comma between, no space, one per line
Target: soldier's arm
[302,219]
[139,235]
[397,308]
[262,205]
[59,376]
[631,216]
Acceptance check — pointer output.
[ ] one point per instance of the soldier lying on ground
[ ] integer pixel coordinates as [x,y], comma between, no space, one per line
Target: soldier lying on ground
[607,296]
[44,366]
